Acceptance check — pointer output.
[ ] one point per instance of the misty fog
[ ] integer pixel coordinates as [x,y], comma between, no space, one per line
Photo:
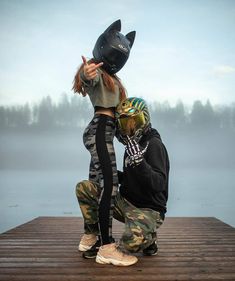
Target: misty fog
[43,157]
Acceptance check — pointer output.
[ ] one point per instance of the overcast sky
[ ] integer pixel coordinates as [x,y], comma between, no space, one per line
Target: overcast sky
[184,49]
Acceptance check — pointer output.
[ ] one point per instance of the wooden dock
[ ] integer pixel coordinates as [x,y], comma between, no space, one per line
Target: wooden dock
[45,249]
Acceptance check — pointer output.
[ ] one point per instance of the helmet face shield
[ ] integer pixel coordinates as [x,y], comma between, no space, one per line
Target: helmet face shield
[113,59]
[132,118]
[128,125]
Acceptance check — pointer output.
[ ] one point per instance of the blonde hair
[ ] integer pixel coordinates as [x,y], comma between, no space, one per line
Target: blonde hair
[108,80]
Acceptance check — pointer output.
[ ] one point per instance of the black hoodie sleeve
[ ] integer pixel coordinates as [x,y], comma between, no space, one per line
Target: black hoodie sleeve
[152,171]
[120,177]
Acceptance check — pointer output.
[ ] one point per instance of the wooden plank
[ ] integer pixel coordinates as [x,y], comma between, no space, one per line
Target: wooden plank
[118,276]
[46,249]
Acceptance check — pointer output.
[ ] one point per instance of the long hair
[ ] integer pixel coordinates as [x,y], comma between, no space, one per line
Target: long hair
[108,80]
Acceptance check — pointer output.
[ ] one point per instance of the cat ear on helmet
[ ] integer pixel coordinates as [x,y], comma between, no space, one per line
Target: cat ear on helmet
[115,26]
[131,37]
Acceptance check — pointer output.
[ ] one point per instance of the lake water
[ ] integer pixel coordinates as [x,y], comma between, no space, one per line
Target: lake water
[27,194]
[39,171]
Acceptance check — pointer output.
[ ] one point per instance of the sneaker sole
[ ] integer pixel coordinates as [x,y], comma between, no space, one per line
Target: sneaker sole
[102,260]
[83,248]
[89,257]
[147,255]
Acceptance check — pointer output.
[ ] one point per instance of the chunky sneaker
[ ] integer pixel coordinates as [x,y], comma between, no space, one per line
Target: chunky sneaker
[92,252]
[110,254]
[151,250]
[87,241]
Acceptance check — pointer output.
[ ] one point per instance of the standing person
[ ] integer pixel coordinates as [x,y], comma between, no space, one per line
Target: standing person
[98,79]
[142,198]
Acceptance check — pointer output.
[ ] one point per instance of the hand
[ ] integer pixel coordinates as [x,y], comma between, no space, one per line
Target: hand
[135,152]
[90,70]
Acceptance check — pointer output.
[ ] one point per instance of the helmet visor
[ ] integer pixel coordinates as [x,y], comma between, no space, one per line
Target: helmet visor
[113,59]
[128,125]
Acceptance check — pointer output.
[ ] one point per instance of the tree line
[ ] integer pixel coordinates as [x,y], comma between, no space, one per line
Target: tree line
[75,111]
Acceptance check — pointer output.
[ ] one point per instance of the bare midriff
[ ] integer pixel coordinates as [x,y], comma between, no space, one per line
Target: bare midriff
[105,111]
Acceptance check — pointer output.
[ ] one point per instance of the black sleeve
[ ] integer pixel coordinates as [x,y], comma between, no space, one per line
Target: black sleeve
[153,171]
[120,177]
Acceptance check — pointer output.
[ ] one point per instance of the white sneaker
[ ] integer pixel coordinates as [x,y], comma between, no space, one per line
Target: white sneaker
[86,242]
[110,254]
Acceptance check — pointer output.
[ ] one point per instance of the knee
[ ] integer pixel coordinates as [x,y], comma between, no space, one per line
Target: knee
[79,190]
[82,189]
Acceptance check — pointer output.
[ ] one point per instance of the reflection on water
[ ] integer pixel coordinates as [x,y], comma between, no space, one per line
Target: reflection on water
[26,194]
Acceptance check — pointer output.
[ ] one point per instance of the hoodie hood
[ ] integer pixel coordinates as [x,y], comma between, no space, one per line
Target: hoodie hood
[151,132]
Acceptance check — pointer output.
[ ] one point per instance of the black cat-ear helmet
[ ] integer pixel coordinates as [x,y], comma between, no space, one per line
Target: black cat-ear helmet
[113,48]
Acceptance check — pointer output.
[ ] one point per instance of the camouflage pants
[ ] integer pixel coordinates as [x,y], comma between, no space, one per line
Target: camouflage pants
[140,223]
[98,139]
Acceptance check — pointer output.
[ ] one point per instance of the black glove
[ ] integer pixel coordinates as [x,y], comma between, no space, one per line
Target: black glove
[135,152]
